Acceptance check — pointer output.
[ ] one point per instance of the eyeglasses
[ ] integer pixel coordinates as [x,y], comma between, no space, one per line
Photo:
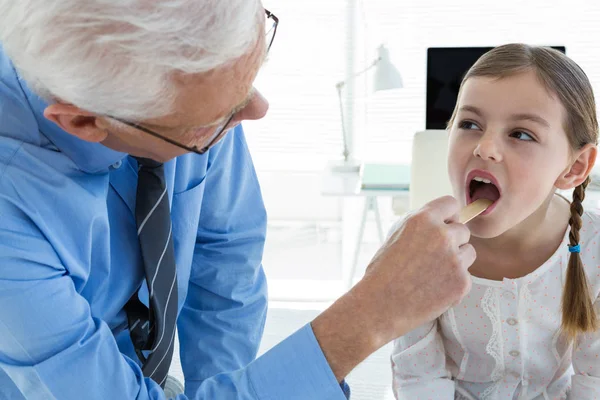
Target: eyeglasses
[270,28]
[221,129]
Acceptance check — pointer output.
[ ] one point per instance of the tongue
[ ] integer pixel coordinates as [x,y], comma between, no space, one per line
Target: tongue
[485,191]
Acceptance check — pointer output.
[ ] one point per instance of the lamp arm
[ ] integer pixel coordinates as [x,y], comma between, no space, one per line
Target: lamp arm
[341,84]
[345,139]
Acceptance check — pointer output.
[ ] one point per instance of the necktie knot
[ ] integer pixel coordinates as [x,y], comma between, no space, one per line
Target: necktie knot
[147,163]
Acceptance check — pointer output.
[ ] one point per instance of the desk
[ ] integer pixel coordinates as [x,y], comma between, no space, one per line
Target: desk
[348,184]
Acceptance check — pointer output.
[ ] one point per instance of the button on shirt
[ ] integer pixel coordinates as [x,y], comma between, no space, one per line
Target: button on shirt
[503,340]
[69,261]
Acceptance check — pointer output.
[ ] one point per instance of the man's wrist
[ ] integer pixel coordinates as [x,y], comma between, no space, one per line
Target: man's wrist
[349,331]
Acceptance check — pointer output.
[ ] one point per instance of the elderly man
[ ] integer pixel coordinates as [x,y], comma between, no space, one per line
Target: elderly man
[129,206]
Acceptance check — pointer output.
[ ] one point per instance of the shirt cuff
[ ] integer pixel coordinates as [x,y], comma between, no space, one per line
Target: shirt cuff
[296,369]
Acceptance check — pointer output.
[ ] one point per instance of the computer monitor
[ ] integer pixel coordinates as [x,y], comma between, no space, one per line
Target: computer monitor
[446,67]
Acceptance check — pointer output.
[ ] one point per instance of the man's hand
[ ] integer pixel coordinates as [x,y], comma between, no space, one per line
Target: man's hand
[422,270]
[417,274]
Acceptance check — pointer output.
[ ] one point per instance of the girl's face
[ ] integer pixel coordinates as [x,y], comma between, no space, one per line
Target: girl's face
[507,144]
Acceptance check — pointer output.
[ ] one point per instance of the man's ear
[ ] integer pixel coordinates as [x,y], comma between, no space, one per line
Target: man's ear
[579,169]
[76,121]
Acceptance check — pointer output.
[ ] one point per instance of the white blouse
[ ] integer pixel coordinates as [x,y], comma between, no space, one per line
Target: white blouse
[502,341]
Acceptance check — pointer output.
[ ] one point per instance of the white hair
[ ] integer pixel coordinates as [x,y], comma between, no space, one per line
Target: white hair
[117,57]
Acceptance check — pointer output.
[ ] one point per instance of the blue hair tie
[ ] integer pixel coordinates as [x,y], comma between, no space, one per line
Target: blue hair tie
[574,249]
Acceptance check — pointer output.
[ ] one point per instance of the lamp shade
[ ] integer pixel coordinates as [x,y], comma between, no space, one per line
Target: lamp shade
[386,75]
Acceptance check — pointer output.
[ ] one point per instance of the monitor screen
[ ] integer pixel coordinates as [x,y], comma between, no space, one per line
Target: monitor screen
[446,67]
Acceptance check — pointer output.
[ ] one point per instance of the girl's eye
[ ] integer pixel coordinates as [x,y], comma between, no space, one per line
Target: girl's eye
[468,125]
[524,136]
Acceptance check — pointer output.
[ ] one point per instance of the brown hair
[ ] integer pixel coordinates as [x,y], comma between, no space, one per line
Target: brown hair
[563,77]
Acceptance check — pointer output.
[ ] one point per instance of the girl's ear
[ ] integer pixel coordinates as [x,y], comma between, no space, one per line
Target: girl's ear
[580,168]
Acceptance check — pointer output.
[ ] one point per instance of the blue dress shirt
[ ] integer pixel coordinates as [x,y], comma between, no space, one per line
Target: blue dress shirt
[69,261]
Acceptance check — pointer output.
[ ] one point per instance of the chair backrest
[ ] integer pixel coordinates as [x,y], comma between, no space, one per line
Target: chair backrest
[429,173]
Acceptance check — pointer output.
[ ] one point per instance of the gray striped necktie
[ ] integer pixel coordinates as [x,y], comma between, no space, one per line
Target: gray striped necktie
[153,329]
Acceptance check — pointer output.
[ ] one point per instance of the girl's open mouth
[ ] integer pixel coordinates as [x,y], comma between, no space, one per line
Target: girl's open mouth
[482,185]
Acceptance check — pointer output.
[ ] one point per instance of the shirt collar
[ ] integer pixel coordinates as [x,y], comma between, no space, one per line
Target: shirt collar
[89,157]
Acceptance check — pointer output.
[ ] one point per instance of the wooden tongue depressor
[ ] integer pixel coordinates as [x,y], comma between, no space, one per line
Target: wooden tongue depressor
[474,209]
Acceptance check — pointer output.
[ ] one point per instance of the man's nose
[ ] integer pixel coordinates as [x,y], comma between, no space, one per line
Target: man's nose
[256,109]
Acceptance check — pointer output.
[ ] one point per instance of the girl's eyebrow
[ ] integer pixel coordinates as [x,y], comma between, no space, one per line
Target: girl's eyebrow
[530,117]
[515,117]
[472,109]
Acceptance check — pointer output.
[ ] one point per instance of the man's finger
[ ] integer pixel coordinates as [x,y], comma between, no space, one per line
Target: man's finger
[459,233]
[467,255]
[444,208]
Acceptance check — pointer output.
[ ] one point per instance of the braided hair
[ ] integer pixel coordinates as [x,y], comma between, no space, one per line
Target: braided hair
[578,314]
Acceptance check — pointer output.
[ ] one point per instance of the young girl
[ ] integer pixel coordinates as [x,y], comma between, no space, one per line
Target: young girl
[524,126]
